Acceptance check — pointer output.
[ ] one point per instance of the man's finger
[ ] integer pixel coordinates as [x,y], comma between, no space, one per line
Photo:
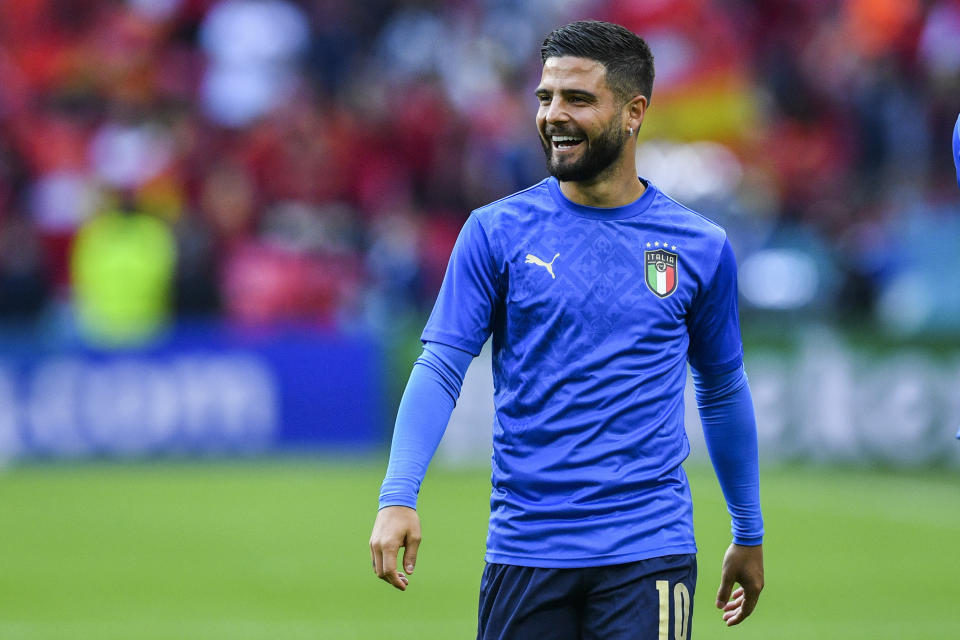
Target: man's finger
[735,617]
[386,561]
[397,579]
[750,599]
[733,604]
[410,553]
[739,609]
[723,593]
[375,556]
[389,568]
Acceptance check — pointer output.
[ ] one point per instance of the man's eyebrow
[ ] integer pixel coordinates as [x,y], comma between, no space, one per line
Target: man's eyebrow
[582,93]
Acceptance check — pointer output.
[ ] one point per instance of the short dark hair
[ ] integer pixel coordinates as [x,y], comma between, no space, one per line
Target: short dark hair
[625,55]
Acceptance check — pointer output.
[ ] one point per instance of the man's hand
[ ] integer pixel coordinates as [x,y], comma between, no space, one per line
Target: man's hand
[395,527]
[742,565]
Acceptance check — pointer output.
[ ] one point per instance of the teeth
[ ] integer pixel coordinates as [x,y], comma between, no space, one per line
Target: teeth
[565,139]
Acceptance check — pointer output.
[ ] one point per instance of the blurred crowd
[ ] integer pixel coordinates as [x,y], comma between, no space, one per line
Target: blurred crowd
[313,160]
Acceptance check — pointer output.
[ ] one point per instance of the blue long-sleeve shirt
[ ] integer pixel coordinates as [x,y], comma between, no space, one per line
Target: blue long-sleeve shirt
[594,315]
[724,402]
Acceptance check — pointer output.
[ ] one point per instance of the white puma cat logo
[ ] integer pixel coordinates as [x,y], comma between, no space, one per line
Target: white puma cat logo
[532,259]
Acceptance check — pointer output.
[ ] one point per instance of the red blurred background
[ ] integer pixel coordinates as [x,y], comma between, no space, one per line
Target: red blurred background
[314,160]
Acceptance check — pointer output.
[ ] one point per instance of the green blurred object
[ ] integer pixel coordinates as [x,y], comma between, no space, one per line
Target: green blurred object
[278,549]
[122,269]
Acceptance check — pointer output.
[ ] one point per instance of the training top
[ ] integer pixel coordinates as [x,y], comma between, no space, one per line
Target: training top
[594,314]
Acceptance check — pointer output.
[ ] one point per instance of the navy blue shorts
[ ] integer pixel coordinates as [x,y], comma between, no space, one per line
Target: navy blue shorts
[646,599]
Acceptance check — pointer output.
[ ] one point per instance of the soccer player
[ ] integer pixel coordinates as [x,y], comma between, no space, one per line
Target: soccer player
[598,289]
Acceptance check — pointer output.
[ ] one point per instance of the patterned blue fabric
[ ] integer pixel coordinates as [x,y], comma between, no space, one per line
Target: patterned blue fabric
[589,367]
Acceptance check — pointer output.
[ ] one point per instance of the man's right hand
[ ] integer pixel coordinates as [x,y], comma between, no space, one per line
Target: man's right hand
[395,527]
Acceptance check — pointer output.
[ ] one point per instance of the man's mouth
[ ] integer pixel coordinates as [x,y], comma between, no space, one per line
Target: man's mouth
[565,143]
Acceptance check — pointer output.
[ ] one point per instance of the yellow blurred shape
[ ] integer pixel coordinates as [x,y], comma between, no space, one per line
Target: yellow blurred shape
[721,107]
[122,268]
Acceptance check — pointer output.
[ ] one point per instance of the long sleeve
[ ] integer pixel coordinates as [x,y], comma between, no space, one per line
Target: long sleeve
[730,430]
[428,401]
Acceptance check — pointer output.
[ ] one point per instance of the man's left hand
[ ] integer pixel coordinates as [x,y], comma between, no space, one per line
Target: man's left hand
[744,566]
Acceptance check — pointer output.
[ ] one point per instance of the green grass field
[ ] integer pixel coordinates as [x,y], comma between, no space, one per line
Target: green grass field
[278,550]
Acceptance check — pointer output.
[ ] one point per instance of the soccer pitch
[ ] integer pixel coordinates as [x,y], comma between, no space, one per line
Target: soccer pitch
[278,549]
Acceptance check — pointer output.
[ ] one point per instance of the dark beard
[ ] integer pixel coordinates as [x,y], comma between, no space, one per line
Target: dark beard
[597,157]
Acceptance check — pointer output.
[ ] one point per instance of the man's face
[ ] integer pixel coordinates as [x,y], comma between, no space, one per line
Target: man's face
[579,119]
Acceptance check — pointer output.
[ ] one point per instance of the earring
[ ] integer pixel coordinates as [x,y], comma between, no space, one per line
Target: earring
[630,129]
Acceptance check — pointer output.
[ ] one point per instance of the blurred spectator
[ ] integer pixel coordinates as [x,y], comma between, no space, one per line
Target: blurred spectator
[24,286]
[122,268]
[252,47]
[24,282]
[301,266]
[314,159]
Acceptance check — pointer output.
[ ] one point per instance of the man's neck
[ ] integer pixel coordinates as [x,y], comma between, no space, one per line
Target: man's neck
[616,188]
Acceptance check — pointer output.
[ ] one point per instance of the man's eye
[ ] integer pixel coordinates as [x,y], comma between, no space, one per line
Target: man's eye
[544,99]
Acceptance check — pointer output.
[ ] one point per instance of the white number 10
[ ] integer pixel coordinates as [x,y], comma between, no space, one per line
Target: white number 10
[681,610]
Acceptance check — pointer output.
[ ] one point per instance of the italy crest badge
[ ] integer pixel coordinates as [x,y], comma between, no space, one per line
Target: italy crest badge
[660,267]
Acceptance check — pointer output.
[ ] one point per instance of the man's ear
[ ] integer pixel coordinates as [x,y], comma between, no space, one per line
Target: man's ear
[635,110]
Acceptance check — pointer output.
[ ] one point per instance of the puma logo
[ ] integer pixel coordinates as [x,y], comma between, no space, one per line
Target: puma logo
[532,259]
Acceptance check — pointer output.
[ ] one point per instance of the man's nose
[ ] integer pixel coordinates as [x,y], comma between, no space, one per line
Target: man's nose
[556,112]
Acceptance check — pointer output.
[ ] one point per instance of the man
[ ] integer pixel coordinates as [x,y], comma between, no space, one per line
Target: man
[597,289]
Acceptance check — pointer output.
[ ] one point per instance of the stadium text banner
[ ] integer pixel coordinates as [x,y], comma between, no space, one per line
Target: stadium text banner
[203,390]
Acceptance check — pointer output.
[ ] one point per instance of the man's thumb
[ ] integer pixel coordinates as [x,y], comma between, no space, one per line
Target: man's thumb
[723,593]
[410,554]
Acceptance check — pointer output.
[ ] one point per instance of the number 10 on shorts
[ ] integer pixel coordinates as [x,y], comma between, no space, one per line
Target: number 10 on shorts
[681,610]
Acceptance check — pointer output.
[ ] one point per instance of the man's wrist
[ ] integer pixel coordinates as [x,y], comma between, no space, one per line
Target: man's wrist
[394,501]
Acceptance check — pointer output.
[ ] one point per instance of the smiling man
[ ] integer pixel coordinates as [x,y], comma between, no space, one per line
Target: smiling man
[598,290]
